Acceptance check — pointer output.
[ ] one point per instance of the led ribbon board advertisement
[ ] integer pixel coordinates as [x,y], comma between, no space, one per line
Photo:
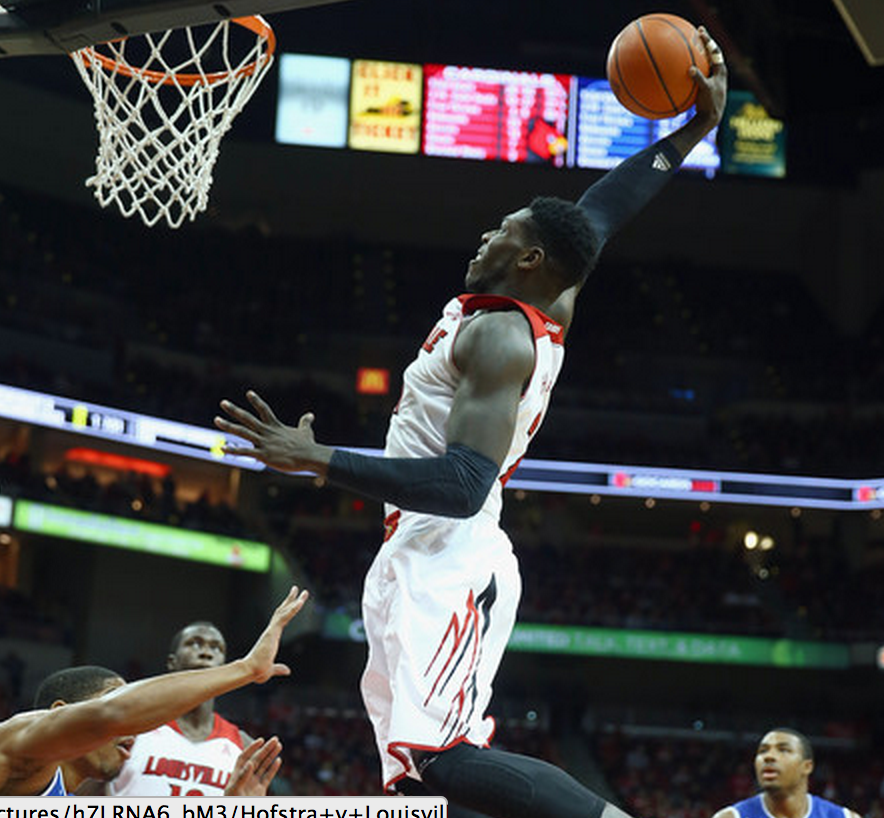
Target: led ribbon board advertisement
[134,535]
[678,647]
[567,477]
[659,645]
[94,420]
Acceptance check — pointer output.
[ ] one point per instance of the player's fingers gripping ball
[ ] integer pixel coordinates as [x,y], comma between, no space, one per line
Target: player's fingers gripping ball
[649,65]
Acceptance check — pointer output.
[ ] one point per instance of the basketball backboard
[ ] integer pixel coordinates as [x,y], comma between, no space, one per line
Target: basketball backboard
[30,27]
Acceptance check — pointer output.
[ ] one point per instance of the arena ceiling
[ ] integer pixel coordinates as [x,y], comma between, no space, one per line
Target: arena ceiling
[798,56]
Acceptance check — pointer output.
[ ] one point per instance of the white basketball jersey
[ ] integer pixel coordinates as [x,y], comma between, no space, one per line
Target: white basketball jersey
[164,762]
[440,599]
[418,425]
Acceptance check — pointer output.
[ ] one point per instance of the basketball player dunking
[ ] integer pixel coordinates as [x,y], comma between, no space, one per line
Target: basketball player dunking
[440,598]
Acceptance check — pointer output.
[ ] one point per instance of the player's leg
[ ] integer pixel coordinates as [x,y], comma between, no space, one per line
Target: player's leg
[507,785]
[377,693]
[408,786]
[439,609]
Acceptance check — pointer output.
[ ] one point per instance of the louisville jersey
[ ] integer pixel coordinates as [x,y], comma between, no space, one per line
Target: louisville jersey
[440,598]
[816,808]
[418,425]
[165,762]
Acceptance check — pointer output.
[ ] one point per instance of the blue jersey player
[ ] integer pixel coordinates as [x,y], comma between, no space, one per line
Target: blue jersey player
[783,764]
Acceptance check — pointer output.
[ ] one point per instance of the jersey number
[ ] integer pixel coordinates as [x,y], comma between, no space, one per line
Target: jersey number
[176,790]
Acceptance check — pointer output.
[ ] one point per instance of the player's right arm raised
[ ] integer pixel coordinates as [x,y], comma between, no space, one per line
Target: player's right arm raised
[618,196]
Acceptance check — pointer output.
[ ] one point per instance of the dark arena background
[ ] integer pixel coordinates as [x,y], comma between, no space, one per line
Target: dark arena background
[716,570]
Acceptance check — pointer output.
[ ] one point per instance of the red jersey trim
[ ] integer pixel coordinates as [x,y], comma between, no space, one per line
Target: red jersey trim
[541,323]
[394,748]
[391,523]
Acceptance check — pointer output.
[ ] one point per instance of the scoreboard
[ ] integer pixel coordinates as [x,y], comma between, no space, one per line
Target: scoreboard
[463,112]
[602,132]
[475,113]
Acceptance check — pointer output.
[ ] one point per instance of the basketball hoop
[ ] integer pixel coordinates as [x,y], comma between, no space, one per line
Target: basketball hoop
[162,104]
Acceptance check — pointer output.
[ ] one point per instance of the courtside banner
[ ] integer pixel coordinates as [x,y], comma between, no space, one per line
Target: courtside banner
[375,806]
[662,645]
[679,647]
[134,535]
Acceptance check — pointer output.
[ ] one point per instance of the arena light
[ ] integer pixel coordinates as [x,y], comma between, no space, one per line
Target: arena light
[372,381]
[750,540]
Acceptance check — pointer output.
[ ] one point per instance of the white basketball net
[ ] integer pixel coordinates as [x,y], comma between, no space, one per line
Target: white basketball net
[162,104]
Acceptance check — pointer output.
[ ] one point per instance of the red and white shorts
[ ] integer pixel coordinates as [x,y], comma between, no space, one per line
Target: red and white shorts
[439,605]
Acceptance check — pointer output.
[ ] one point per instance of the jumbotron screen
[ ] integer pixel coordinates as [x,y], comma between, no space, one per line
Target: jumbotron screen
[486,113]
[493,114]
[602,133]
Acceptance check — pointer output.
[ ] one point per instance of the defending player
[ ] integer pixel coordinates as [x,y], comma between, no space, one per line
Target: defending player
[440,599]
[783,764]
[87,716]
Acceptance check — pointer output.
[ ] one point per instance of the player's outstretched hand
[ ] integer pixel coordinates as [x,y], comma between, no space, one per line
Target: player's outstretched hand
[712,90]
[261,659]
[285,448]
[255,768]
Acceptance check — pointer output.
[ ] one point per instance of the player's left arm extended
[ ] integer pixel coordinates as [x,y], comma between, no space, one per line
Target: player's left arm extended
[495,355]
[71,730]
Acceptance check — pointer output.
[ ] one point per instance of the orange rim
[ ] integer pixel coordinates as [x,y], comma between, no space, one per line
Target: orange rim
[255,23]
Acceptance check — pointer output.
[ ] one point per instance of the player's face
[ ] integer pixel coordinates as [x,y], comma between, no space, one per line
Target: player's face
[105,762]
[499,252]
[199,646]
[780,765]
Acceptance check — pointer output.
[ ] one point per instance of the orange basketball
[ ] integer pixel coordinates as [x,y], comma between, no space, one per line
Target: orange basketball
[649,62]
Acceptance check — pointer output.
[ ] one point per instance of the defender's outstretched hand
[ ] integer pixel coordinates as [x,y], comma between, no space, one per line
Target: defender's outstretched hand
[261,659]
[255,768]
[285,448]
